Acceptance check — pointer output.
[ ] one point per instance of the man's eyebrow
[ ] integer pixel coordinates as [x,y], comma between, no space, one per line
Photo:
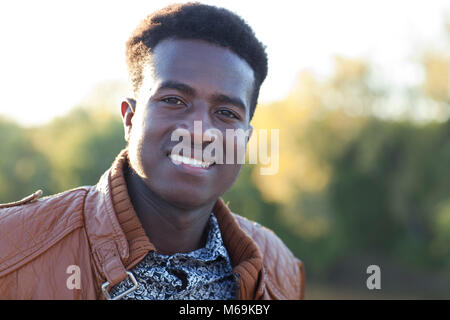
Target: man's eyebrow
[178,86]
[222,98]
[216,98]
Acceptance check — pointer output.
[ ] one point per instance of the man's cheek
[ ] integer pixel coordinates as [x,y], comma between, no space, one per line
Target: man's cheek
[141,149]
[228,175]
[232,153]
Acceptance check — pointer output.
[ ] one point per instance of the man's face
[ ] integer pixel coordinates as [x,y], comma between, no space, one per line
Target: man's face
[187,81]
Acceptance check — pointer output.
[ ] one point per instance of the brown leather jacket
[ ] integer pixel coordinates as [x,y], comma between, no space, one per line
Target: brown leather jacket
[96,229]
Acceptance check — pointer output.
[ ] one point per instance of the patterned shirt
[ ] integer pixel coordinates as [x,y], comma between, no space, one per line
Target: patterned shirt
[202,274]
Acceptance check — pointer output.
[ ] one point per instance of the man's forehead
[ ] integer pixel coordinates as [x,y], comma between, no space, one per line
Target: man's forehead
[197,47]
[192,60]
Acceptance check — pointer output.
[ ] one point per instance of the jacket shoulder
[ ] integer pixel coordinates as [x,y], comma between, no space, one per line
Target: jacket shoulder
[282,270]
[30,226]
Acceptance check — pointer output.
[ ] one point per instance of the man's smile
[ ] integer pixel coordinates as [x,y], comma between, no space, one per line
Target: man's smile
[177,159]
[190,165]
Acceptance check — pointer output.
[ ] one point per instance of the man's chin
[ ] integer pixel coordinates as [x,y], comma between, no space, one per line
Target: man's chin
[190,199]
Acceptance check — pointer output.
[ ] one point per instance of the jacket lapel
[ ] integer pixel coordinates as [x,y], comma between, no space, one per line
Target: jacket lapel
[244,253]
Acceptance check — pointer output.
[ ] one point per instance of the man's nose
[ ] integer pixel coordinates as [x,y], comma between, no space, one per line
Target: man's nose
[200,126]
[194,129]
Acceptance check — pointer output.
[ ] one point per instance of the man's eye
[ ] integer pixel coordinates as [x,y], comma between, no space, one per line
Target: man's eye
[228,113]
[172,100]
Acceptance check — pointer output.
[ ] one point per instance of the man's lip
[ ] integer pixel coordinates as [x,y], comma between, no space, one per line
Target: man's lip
[169,153]
[190,169]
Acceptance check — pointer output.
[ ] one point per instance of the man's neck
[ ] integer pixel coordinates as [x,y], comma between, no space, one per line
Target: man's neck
[171,229]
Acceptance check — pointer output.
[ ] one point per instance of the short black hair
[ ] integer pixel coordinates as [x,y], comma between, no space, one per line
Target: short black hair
[196,21]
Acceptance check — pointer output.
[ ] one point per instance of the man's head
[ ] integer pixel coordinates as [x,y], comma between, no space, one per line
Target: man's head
[196,21]
[190,63]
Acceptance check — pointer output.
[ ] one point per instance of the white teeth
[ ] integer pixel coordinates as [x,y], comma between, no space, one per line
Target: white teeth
[177,159]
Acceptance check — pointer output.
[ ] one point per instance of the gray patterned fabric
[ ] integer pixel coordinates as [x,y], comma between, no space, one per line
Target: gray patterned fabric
[203,274]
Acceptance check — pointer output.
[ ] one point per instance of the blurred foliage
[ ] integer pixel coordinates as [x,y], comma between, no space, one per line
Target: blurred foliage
[67,152]
[349,182]
[86,144]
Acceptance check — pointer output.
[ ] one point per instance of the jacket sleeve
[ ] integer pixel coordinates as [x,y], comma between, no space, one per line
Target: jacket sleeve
[8,286]
[301,280]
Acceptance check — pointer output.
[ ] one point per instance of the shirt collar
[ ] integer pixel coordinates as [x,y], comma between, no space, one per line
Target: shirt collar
[213,249]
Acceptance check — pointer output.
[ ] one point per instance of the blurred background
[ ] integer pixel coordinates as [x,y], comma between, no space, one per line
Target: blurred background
[359,90]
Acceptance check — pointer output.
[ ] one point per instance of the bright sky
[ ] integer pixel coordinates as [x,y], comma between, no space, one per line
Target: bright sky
[54,52]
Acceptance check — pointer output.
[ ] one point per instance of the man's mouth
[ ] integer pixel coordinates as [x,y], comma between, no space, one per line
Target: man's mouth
[177,159]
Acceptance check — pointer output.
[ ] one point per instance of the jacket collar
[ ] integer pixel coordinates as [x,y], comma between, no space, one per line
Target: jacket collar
[133,244]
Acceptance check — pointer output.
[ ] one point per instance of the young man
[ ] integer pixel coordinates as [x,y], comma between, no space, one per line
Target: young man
[155,227]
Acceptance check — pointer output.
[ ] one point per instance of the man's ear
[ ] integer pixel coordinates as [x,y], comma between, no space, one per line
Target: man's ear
[128,107]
